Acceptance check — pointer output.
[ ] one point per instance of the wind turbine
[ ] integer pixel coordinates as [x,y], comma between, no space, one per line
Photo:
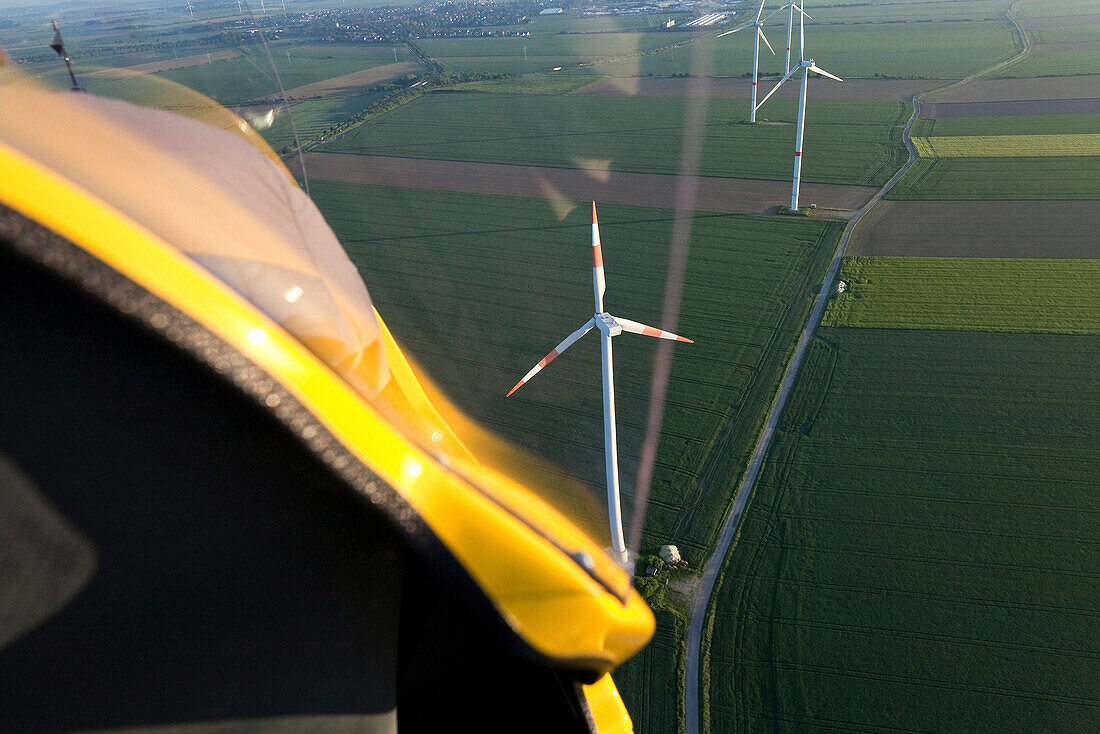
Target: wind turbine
[790,7]
[759,26]
[190,9]
[807,65]
[609,326]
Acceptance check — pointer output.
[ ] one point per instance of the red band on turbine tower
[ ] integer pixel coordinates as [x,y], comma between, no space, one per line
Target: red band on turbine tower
[797,153]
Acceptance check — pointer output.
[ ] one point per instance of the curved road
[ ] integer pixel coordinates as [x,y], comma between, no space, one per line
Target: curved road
[733,520]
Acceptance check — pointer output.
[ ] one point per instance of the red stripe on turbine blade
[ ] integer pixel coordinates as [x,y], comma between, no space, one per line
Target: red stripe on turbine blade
[597,256]
[685,339]
[518,384]
[594,213]
[650,331]
[548,358]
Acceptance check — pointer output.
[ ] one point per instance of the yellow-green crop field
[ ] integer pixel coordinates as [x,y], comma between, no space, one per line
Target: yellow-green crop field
[1008,146]
[973,294]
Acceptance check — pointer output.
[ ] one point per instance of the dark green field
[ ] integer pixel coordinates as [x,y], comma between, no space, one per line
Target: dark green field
[1000,178]
[922,551]
[847,142]
[479,288]
[452,272]
[313,116]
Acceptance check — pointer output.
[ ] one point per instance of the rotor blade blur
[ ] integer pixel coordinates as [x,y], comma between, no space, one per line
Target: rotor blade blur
[822,72]
[765,39]
[565,344]
[636,328]
[778,84]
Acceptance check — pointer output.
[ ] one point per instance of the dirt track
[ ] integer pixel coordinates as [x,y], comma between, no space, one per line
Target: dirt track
[1028,108]
[1010,90]
[1027,229]
[725,195]
[354,82]
[737,88]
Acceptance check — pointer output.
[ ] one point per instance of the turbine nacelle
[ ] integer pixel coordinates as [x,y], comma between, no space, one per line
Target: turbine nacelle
[607,324]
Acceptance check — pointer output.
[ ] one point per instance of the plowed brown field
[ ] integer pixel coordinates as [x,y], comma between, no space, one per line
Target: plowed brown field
[1028,108]
[1018,229]
[354,82]
[724,195]
[1008,90]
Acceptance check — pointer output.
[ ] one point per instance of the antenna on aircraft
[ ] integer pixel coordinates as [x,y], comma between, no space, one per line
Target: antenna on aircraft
[609,326]
[59,46]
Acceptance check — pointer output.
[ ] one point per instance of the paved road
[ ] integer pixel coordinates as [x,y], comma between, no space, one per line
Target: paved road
[744,492]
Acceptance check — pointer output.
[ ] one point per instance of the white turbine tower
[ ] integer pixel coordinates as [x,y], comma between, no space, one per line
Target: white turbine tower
[609,326]
[807,65]
[759,26]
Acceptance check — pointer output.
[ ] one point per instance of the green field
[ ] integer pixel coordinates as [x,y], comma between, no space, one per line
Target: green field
[846,142]
[863,11]
[250,76]
[1025,125]
[999,146]
[1054,62]
[945,50]
[506,55]
[1076,33]
[1055,8]
[452,272]
[978,294]
[429,259]
[921,550]
[1000,178]
[313,116]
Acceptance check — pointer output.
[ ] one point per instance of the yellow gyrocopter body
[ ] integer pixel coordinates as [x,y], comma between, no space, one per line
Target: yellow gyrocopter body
[211,229]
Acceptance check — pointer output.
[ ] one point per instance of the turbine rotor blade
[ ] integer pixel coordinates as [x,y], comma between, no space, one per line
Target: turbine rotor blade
[822,72]
[801,37]
[765,39]
[635,328]
[599,284]
[759,11]
[777,10]
[735,30]
[565,344]
[777,86]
